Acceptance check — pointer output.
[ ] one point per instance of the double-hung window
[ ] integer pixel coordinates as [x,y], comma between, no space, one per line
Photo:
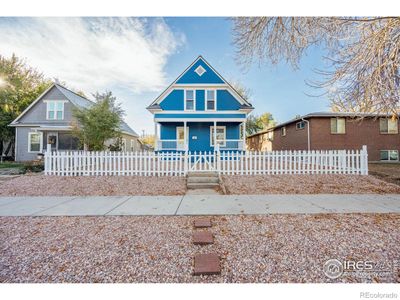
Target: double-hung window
[221,135]
[55,110]
[283,131]
[388,126]
[35,142]
[190,99]
[338,125]
[300,125]
[210,100]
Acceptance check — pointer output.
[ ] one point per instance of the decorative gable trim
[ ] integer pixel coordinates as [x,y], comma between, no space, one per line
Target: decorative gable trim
[175,85]
[200,70]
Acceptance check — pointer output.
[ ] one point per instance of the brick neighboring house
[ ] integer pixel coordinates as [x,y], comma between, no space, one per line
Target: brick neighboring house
[333,131]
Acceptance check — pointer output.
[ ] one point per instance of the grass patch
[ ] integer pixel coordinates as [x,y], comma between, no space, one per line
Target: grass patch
[22,167]
[11,164]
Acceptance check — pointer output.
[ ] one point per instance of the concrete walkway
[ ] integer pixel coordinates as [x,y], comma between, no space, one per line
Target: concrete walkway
[198,205]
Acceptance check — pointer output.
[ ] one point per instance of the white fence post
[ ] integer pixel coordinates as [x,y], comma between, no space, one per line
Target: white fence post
[364,160]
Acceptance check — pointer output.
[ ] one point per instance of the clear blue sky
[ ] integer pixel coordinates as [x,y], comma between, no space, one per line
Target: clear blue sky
[276,89]
[138,58]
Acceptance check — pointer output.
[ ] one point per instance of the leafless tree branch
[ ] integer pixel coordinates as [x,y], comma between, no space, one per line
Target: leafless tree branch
[363,55]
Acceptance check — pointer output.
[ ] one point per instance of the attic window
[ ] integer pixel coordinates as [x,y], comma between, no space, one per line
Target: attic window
[200,70]
[55,110]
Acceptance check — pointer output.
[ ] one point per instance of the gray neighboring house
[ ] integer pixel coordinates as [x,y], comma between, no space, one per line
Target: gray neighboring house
[48,121]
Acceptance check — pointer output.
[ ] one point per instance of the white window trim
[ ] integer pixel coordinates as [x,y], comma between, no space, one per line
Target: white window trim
[194,99]
[52,133]
[55,112]
[178,141]
[124,144]
[211,136]
[387,126]
[283,129]
[132,145]
[202,73]
[183,128]
[41,141]
[337,120]
[300,128]
[389,155]
[215,99]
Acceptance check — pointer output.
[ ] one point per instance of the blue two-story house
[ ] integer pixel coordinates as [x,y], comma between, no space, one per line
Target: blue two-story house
[200,111]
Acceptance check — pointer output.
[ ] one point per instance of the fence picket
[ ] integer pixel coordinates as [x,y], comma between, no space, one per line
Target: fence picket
[96,163]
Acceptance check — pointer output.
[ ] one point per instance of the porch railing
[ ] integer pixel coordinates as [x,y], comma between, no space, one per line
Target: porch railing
[169,145]
[230,145]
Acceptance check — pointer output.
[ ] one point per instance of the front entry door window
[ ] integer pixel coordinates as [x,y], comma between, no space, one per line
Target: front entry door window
[180,137]
[52,139]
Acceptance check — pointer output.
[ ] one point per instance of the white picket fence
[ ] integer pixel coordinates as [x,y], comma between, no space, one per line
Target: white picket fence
[94,163]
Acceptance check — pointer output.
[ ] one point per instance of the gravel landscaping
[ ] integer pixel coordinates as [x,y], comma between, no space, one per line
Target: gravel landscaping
[389,172]
[270,248]
[41,185]
[307,184]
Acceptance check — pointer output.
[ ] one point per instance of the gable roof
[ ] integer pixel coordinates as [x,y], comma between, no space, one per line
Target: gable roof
[200,60]
[75,99]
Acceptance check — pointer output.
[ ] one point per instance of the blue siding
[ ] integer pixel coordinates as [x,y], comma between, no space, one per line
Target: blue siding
[168,130]
[225,101]
[200,100]
[191,116]
[174,101]
[190,76]
[201,132]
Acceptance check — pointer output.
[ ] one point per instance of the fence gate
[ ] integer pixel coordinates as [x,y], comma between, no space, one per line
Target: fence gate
[202,161]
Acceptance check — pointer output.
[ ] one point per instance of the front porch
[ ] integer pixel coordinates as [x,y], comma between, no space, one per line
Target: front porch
[196,136]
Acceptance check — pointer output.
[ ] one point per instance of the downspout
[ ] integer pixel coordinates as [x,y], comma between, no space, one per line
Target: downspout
[308,133]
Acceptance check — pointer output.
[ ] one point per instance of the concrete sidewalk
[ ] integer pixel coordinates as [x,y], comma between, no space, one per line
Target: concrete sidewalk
[198,205]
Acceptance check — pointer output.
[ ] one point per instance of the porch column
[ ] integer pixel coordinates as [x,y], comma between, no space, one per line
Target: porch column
[215,136]
[185,138]
[244,135]
[155,136]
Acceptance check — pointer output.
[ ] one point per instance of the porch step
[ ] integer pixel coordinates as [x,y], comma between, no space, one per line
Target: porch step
[202,179]
[202,174]
[200,185]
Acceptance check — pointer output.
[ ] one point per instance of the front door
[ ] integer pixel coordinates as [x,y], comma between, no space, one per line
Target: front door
[52,139]
[199,138]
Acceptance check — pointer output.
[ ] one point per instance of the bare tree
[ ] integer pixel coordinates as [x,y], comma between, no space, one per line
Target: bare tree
[363,55]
